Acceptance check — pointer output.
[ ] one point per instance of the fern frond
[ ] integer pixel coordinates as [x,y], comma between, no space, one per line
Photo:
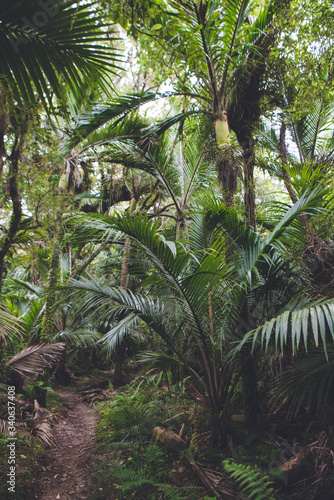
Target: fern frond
[253,483]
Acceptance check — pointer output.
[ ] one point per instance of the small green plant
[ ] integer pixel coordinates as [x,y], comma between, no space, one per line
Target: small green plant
[252,482]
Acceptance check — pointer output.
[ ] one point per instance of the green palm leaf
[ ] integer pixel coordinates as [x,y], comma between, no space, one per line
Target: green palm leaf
[297,326]
[112,114]
[45,45]
[308,382]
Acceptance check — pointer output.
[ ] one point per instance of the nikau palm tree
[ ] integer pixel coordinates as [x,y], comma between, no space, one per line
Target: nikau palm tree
[231,47]
[199,299]
[231,50]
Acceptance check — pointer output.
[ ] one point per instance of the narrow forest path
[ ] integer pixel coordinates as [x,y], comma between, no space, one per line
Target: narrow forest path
[64,472]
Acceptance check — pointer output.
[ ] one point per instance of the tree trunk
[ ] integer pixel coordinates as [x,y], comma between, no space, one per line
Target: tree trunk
[125,264]
[227,170]
[118,380]
[227,175]
[219,430]
[284,157]
[50,308]
[248,370]
[249,379]
[14,193]
[120,349]
[246,142]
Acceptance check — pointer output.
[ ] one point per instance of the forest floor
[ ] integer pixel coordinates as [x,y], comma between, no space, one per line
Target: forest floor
[63,474]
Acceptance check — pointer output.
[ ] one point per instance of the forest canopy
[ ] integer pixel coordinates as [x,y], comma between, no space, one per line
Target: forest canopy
[166,184]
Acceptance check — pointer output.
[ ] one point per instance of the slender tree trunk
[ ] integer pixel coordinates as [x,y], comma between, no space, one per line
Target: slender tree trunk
[125,264]
[50,308]
[219,430]
[14,194]
[287,178]
[227,175]
[248,370]
[251,399]
[78,270]
[2,149]
[121,348]
[226,167]
[119,360]
[247,144]
[4,122]
[284,156]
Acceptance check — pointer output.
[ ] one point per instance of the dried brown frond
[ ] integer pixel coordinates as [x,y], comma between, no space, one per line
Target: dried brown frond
[32,360]
[42,430]
[3,426]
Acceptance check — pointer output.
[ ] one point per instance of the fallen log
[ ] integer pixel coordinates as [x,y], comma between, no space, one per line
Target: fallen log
[169,439]
[297,466]
[175,442]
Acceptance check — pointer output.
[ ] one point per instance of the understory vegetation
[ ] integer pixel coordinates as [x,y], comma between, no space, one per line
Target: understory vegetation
[166,243]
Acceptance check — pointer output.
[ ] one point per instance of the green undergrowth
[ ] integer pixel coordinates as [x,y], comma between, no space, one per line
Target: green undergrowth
[26,451]
[128,461]
[54,402]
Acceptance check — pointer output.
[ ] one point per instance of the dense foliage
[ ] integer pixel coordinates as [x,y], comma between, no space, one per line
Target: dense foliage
[166,177]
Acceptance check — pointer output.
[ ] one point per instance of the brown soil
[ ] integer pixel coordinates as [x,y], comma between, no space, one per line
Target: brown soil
[63,474]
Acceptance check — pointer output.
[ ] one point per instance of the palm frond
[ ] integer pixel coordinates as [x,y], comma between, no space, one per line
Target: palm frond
[295,326]
[42,48]
[42,430]
[32,360]
[308,383]
[9,325]
[80,337]
[126,305]
[110,113]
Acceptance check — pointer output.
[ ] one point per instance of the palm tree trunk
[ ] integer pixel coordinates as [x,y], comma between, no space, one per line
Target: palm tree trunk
[119,360]
[246,142]
[284,156]
[125,264]
[227,171]
[227,175]
[248,370]
[50,308]
[121,348]
[251,399]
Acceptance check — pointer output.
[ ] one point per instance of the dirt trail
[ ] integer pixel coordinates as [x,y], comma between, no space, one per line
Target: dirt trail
[64,472]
